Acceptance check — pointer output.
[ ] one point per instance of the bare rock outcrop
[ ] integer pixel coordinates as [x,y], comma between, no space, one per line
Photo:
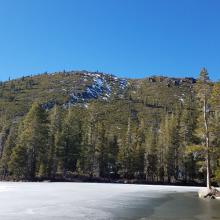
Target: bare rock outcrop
[212,193]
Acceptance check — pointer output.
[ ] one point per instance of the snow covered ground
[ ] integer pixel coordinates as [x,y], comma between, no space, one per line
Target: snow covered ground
[62,201]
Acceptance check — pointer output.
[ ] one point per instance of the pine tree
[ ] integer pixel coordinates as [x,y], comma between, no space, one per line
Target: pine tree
[69,142]
[151,155]
[125,158]
[28,158]
[113,148]
[3,136]
[188,137]
[169,147]
[54,135]
[215,128]
[89,154]
[162,146]
[203,89]
[175,143]
[139,151]
[101,150]
[9,144]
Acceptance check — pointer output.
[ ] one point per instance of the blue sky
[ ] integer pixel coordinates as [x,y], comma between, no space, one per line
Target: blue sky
[129,38]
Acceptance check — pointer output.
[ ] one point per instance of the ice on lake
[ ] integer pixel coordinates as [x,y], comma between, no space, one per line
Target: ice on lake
[76,201]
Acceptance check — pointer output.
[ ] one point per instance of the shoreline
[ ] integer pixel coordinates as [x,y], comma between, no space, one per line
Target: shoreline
[151,187]
[113,181]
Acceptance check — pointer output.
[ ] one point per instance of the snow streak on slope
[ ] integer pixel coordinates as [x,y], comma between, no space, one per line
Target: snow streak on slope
[101,86]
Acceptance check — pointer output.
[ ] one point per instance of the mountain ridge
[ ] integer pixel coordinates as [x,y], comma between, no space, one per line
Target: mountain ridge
[81,87]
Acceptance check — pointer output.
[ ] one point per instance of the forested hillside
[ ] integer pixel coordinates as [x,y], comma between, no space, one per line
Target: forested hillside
[93,126]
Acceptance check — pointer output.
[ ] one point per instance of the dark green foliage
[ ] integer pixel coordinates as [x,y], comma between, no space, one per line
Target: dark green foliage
[145,131]
[55,129]
[69,143]
[9,144]
[29,156]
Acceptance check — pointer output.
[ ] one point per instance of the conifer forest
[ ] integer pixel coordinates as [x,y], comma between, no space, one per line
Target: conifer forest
[91,126]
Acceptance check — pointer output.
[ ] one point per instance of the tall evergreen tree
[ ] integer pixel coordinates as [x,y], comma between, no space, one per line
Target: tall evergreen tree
[215,128]
[69,142]
[28,158]
[9,144]
[203,89]
[125,158]
[53,140]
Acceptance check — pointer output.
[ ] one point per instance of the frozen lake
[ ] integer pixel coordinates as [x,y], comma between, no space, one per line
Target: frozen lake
[65,201]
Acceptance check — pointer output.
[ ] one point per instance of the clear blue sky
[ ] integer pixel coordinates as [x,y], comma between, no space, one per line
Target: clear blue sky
[130,38]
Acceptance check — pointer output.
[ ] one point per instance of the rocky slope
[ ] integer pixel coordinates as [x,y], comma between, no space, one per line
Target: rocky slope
[82,87]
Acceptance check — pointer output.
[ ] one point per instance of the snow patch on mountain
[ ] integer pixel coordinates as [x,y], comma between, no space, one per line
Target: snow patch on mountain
[99,86]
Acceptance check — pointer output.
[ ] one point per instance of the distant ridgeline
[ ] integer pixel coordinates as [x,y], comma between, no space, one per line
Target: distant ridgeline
[91,126]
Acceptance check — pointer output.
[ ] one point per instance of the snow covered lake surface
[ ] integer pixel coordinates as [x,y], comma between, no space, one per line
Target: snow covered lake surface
[85,201]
